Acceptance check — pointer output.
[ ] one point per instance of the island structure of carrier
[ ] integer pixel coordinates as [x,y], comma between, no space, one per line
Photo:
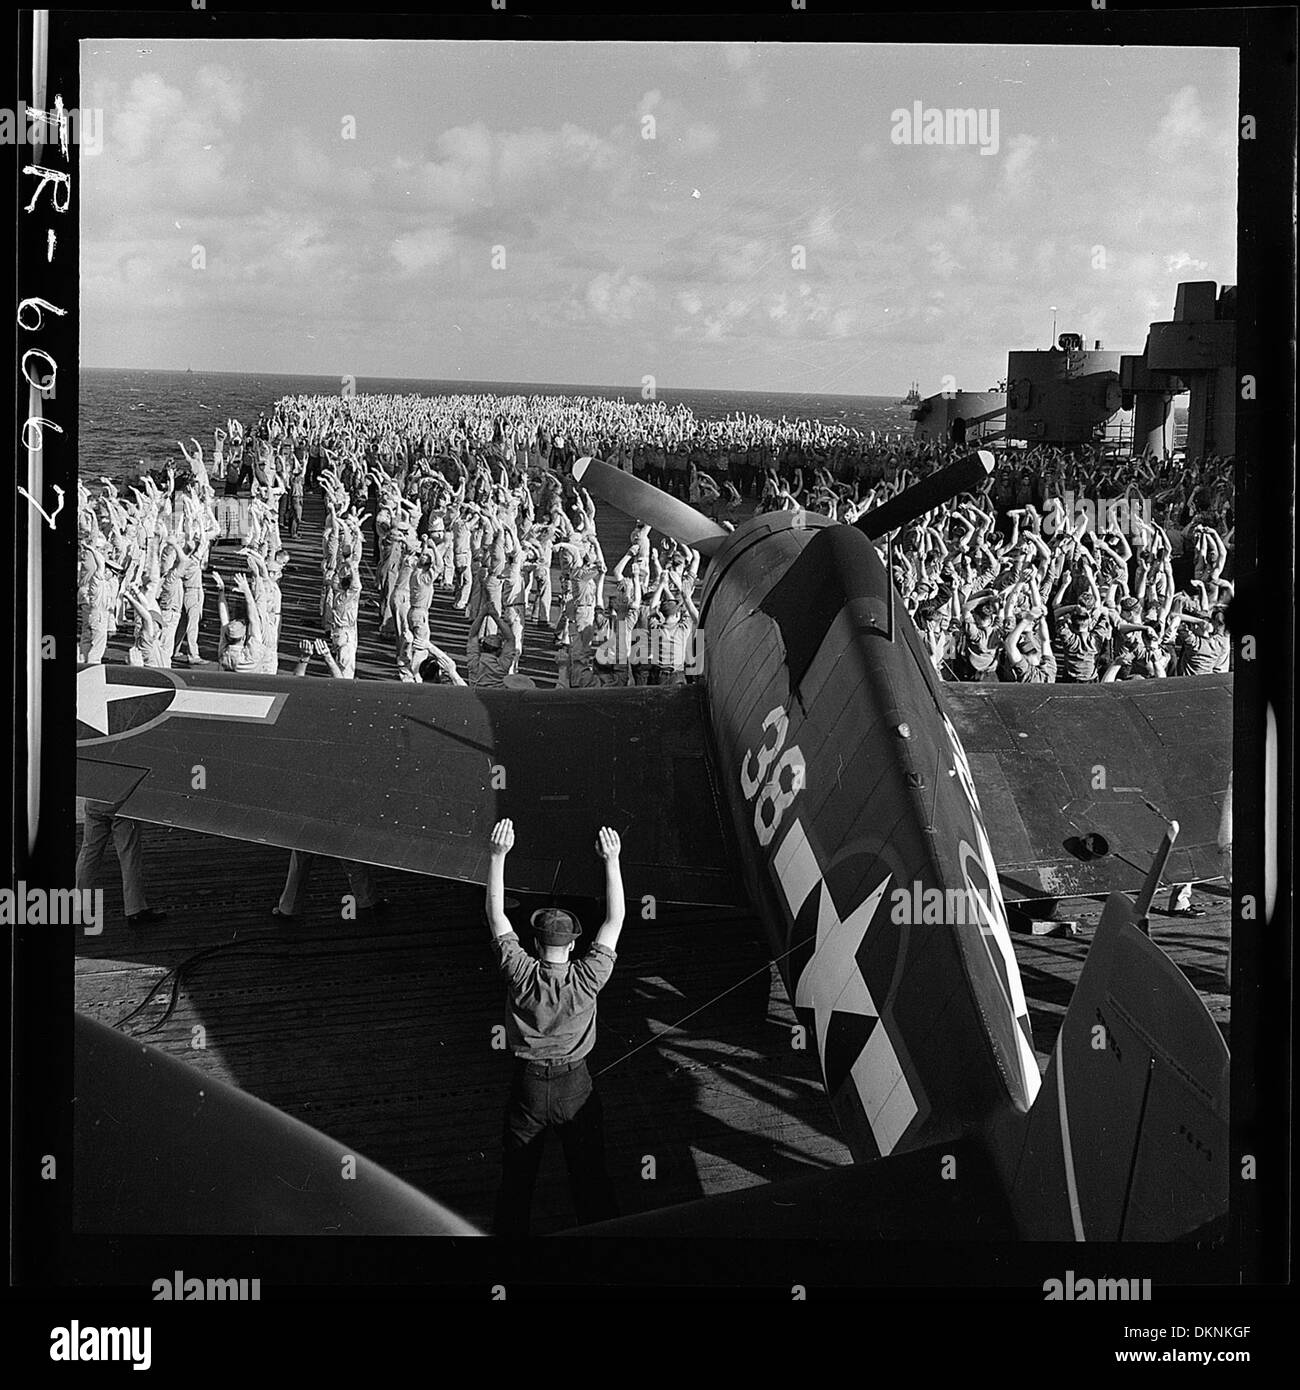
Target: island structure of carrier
[1070,395]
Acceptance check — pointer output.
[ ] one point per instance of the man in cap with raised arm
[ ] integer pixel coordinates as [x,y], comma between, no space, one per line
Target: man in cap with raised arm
[551,1029]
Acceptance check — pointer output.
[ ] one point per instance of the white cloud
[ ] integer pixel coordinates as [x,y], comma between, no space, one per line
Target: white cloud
[821,228]
[169,151]
[225,90]
[1018,165]
[476,167]
[742,260]
[422,249]
[139,125]
[750,84]
[616,296]
[700,137]
[674,125]
[942,261]
[1177,264]
[1182,128]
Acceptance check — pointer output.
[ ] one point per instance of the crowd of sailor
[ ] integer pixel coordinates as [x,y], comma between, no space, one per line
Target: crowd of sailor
[1065,566]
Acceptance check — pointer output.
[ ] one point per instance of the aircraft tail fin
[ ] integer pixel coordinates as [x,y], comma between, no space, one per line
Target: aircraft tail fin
[1128,1137]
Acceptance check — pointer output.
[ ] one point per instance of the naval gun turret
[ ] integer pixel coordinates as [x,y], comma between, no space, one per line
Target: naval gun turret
[1068,395]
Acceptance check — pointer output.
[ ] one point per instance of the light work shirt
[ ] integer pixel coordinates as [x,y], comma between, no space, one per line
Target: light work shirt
[551,1008]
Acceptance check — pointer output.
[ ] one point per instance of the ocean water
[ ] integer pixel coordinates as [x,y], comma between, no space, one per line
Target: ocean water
[130,420]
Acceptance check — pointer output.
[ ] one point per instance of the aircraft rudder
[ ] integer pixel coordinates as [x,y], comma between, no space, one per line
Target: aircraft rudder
[1128,1137]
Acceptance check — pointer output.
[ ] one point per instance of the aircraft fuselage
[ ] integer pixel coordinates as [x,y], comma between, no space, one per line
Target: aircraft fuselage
[862,841]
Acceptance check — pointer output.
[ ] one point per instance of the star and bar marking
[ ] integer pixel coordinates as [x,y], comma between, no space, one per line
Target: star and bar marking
[98,695]
[831,984]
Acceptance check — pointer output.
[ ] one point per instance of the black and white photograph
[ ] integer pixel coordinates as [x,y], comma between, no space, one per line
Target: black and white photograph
[831,477]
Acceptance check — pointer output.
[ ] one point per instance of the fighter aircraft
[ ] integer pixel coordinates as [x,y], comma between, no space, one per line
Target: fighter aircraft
[822,774]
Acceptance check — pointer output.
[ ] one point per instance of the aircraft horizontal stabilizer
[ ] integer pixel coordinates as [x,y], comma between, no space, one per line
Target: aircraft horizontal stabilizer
[161,1148]
[1128,1139]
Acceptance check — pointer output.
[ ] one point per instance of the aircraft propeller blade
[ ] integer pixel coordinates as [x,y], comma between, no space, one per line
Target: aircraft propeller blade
[963,476]
[651,504]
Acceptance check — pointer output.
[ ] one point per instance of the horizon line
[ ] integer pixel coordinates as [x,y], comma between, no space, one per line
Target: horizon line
[486,381]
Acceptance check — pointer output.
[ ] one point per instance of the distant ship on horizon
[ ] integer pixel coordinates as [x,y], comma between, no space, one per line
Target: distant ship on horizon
[913,396]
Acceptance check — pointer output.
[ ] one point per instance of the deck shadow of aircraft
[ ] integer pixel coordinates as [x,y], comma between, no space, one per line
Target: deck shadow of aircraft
[725,1090]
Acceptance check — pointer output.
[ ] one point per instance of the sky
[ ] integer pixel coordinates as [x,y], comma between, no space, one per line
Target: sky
[729,216]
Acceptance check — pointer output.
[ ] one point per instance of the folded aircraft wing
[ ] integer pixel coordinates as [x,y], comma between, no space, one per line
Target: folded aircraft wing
[414,776]
[1054,764]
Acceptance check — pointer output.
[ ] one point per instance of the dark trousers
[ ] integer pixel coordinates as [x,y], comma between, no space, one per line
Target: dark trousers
[560,1099]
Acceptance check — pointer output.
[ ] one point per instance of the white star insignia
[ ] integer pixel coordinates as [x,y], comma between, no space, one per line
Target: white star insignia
[831,981]
[95,694]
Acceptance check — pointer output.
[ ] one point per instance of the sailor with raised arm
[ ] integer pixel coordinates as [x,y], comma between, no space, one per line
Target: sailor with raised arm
[551,1029]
